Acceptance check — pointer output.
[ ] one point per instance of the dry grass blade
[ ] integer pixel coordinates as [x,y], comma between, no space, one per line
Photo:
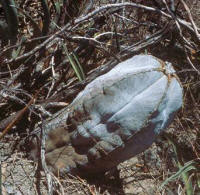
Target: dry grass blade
[6,130]
[191,20]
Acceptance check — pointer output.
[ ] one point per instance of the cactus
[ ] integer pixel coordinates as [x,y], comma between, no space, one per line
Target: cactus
[116,117]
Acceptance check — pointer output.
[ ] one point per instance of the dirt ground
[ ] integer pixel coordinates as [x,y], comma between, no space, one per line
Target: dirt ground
[140,175]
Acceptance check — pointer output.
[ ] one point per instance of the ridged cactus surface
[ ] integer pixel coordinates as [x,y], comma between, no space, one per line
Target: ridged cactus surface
[116,117]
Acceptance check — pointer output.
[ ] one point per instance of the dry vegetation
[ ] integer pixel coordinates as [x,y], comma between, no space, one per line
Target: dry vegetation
[49,51]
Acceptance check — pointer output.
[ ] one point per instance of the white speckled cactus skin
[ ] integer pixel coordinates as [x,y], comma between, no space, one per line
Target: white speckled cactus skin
[117,116]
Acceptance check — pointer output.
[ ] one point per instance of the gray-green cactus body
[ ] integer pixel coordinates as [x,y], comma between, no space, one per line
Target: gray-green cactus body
[118,115]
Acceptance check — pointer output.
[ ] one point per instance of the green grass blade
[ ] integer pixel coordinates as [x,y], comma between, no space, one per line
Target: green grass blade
[191,165]
[73,64]
[79,66]
[16,52]
[198,180]
[183,168]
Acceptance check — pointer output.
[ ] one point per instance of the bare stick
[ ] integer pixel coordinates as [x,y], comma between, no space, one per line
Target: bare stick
[43,162]
[90,15]
[191,20]
[182,37]
[17,117]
